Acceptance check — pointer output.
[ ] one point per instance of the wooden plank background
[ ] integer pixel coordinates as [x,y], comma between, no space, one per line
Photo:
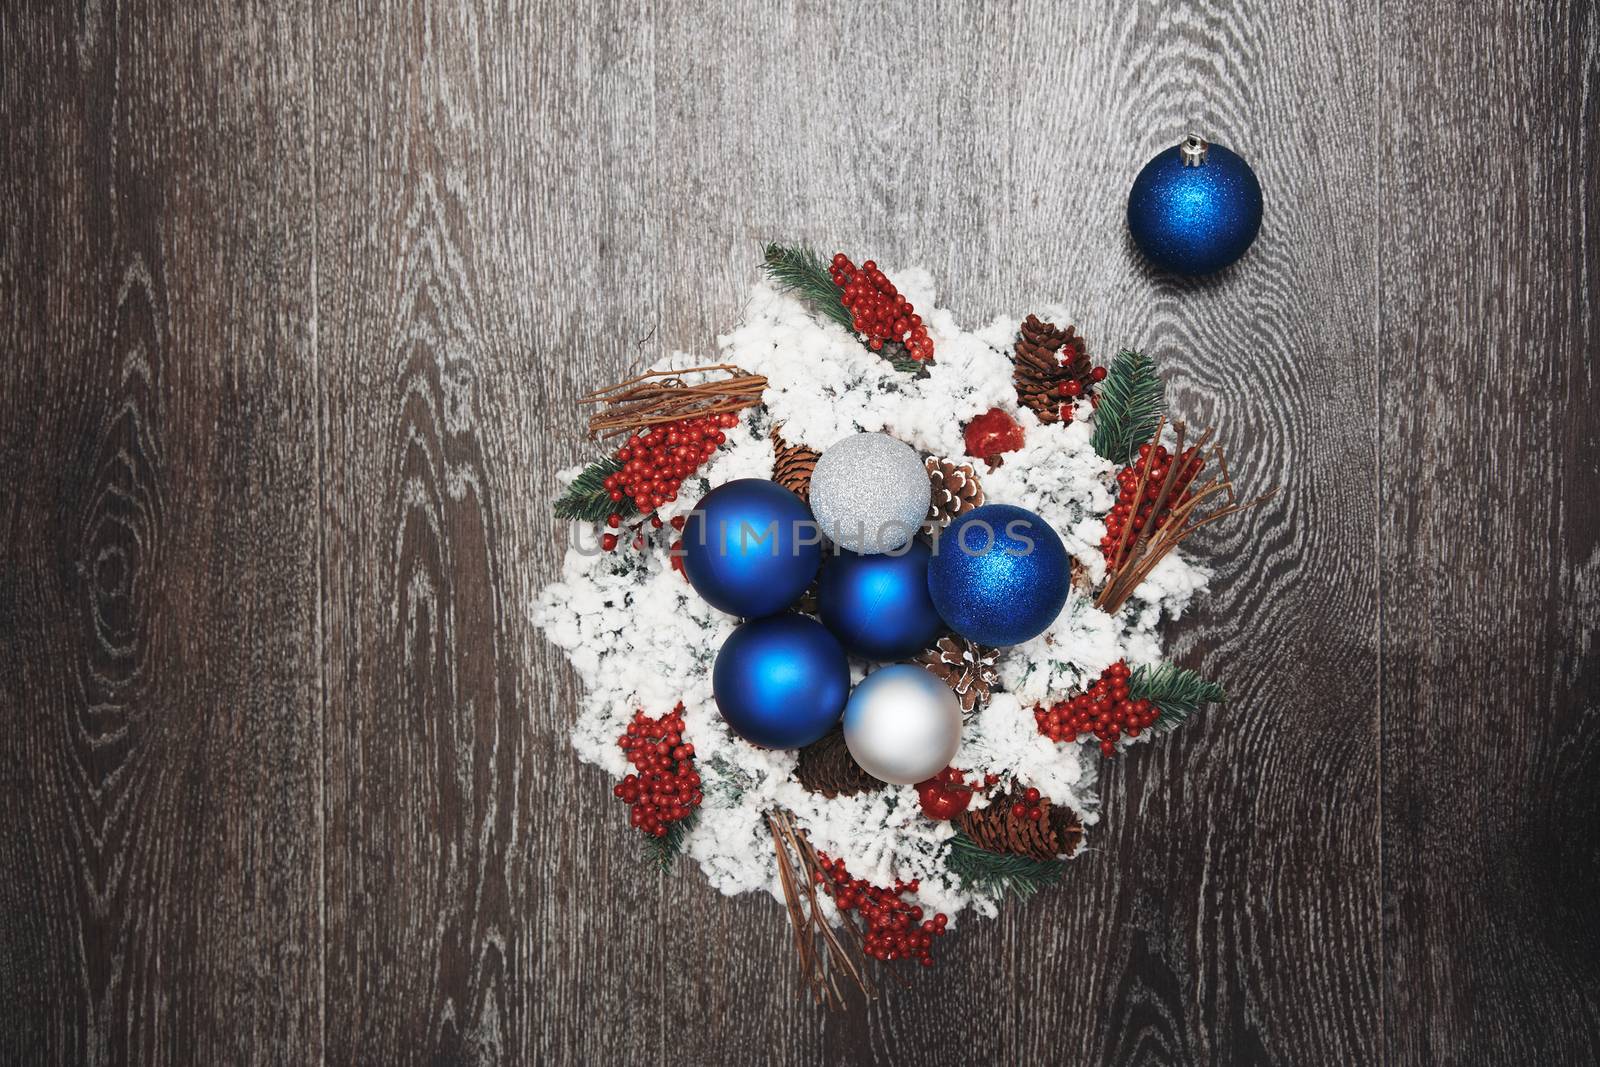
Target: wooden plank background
[299,296]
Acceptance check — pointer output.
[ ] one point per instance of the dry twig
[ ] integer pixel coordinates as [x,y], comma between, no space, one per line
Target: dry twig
[662,396]
[798,870]
[1125,570]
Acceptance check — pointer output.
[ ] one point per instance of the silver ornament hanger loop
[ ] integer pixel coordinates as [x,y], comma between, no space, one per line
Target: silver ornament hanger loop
[1193,150]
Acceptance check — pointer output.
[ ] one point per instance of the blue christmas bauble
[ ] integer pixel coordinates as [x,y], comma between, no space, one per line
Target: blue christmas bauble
[750,547]
[999,575]
[781,682]
[1195,208]
[878,606]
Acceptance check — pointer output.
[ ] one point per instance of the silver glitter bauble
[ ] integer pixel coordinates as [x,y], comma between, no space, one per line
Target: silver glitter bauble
[870,493]
[902,725]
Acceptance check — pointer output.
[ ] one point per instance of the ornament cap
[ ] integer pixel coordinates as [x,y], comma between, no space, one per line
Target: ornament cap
[1194,150]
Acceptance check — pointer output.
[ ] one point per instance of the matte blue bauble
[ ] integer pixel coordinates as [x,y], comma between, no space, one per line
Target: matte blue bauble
[999,575]
[1195,208]
[878,606]
[781,682]
[750,547]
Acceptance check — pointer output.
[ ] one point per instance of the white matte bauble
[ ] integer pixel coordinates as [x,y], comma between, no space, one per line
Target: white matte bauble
[902,725]
[870,493]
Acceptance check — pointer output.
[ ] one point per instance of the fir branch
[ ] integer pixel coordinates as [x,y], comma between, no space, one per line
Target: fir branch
[1000,873]
[1177,691]
[588,500]
[659,852]
[1128,406]
[907,365]
[803,272]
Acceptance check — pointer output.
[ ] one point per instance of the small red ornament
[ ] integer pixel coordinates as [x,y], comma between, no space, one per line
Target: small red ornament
[945,795]
[992,433]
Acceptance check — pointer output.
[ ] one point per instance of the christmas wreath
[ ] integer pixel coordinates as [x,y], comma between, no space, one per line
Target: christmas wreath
[859,608]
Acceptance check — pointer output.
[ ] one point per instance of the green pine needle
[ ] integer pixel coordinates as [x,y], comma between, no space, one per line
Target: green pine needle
[588,500]
[1177,691]
[1000,873]
[659,852]
[803,272]
[1128,407]
[904,363]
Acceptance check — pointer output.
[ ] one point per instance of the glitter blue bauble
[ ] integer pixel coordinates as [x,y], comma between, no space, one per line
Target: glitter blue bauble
[781,682]
[1195,208]
[999,575]
[878,606]
[750,547]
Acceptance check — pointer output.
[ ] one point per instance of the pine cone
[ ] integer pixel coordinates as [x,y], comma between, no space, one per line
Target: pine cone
[1056,832]
[1046,359]
[955,491]
[826,767]
[793,465]
[967,668]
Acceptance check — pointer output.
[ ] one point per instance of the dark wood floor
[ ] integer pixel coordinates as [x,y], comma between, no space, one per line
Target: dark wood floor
[298,297]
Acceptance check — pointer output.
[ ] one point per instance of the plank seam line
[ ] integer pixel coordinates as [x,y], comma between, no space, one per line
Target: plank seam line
[322,565]
[1377,528]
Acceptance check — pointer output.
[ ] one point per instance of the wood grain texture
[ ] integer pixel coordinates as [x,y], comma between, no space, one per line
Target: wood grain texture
[1491,536]
[303,295]
[462,186]
[158,585]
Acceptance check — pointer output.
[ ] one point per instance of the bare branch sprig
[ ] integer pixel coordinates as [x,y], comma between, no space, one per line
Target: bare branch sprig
[1131,564]
[824,956]
[662,396]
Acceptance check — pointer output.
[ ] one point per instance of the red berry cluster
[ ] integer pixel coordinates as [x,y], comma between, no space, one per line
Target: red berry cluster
[896,930]
[609,541]
[667,787]
[1105,709]
[947,794]
[655,463]
[879,311]
[1159,460]
[1072,388]
[1028,806]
